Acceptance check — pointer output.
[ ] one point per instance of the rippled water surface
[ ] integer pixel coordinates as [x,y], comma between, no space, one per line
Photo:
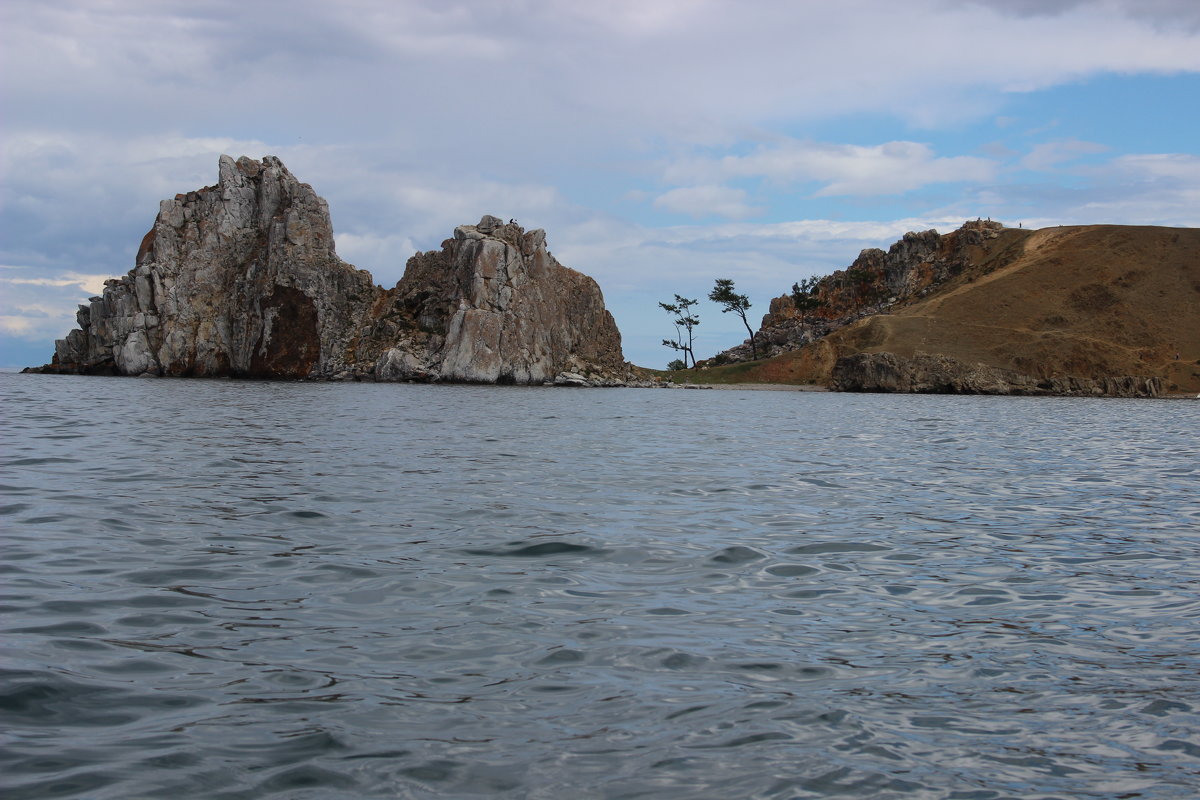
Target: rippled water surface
[242,590]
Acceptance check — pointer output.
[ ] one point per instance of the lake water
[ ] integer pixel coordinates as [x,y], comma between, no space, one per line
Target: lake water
[228,589]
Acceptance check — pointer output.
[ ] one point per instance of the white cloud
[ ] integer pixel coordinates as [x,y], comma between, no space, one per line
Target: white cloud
[1179,168]
[444,201]
[1175,13]
[706,201]
[92,284]
[37,315]
[1050,154]
[464,73]
[1145,189]
[1131,189]
[22,327]
[37,308]
[637,266]
[383,255]
[90,198]
[768,257]
[889,168]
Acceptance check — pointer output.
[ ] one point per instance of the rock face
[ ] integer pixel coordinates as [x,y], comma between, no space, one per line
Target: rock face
[241,279]
[493,306]
[927,374]
[911,268]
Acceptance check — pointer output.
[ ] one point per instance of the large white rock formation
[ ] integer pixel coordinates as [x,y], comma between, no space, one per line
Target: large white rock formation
[241,279]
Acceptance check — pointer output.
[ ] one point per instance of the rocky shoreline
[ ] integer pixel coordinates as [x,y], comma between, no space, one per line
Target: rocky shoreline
[930,374]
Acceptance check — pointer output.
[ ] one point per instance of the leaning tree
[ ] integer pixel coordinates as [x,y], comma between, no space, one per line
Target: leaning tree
[724,295]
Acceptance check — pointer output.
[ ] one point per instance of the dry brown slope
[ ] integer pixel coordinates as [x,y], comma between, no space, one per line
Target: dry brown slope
[1089,301]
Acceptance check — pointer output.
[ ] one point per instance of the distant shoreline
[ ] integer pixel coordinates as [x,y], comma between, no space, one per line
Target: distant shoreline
[765,387]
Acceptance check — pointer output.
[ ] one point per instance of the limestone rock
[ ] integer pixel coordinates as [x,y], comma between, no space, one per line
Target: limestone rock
[570,379]
[494,306]
[241,279]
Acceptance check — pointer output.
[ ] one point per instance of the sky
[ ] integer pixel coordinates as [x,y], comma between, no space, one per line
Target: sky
[661,144]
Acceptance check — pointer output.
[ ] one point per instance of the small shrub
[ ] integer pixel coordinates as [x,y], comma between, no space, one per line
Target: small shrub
[804,294]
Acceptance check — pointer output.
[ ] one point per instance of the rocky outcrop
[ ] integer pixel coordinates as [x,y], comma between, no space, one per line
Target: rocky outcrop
[913,267]
[929,374]
[494,306]
[241,279]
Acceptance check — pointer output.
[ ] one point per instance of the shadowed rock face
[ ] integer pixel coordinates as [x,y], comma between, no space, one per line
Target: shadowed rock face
[241,279]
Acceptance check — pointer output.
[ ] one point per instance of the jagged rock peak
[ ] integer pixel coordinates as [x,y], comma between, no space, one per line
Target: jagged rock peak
[239,278]
[510,232]
[252,196]
[494,306]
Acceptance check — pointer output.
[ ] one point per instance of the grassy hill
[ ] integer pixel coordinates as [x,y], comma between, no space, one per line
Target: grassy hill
[1085,301]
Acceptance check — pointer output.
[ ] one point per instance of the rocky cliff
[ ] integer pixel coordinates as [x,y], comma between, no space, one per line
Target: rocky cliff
[1067,310]
[492,306]
[241,279]
[876,281]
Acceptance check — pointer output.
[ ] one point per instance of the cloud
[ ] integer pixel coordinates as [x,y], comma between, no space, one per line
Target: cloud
[20,326]
[39,308]
[1177,168]
[384,255]
[889,168]
[69,212]
[40,315]
[1050,154]
[1145,189]
[92,284]
[449,74]
[767,257]
[1174,13]
[1130,189]
[706,201]
[1030,8]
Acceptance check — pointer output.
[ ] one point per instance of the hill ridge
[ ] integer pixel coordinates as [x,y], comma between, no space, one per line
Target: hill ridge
[1088,302]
